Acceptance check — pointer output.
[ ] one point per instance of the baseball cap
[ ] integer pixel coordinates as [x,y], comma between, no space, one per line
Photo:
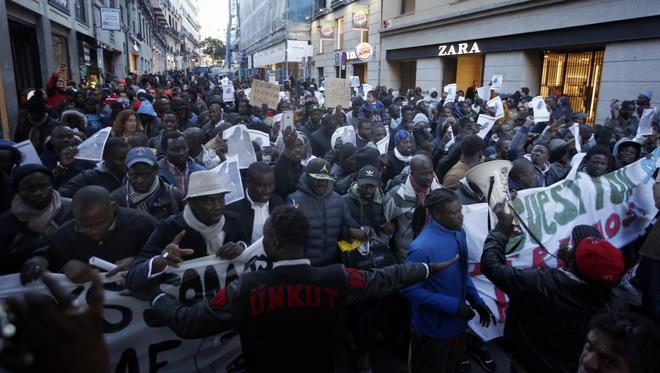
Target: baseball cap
[368,175]
[598,260]
[319,168]
[205,183]
[140,155]
[315,107]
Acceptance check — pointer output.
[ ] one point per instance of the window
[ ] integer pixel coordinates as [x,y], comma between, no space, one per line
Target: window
[575,75]
[320,46]
[340,33]
[407,6]
[81,13]
[364,36]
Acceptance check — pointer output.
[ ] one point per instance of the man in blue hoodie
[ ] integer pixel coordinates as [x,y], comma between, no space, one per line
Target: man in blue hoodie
[439,309]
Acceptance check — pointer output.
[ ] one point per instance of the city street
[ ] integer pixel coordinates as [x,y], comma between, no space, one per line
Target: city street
[351,186]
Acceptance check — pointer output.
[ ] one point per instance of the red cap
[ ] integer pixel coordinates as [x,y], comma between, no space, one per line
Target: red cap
[598,260]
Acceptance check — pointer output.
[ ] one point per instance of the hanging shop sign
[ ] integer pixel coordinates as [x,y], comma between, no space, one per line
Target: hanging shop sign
[327,30]
[458,48]
[360,19]
[110,19]
[364,51]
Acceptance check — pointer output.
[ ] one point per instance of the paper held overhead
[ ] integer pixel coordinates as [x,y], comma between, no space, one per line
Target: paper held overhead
[92,148]
[541,113]
[483,93]
[496,106]
[29,154]
[346,133]
[646,122]
[239,144]
[261,138]
[486,123]
[450,90]
[230,176]
[575,130]
[496,82]
[383,144]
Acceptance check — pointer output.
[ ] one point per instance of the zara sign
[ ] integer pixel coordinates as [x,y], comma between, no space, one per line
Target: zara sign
[458,48]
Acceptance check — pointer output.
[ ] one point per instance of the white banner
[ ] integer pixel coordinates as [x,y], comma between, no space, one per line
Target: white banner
[137,343]
[619,204]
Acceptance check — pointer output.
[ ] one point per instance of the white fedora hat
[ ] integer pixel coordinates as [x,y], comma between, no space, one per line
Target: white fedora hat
[205,183]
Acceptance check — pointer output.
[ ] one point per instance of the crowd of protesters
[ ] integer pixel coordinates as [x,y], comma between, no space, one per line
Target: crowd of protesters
[153,202]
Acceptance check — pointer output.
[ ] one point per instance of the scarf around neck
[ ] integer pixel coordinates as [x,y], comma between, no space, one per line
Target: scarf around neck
[401,157]
[213,235]
[139,200]
[38,221]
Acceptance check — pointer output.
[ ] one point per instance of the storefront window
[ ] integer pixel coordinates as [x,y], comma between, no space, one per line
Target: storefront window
[575,75]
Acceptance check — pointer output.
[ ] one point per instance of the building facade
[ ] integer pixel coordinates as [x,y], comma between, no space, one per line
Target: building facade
[275,40]
[346,40]
[591,51]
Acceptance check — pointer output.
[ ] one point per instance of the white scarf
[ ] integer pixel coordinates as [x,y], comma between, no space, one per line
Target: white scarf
[213,235]
[401,157]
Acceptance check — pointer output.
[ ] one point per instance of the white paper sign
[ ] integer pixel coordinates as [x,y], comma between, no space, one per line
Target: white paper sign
[230,175]
[486,123]
[355,81]
[365,89]
[347,134]
[383,144]
[576,161]
[239,144]
[575,130]
[645,126]
[92,148]
[483,93]
[260,137]
[451,140]
[319,97]
[228,93]
[496,103]
[450,90]
[287,120]
[29,154]
[496,82]
[541,113]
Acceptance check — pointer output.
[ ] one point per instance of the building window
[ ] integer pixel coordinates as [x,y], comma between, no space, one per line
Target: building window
[575,75]
[62,5]
[364,36]
[407,6]
[321,46]
[81,14]
[340,33]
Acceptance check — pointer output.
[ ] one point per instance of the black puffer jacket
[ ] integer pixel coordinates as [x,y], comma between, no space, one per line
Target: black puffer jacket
[549,310]
[329,220]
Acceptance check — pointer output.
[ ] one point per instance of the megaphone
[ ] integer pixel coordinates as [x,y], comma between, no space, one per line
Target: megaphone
[492,179]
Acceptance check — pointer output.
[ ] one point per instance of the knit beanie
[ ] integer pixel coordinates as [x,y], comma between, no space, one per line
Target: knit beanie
[20,172]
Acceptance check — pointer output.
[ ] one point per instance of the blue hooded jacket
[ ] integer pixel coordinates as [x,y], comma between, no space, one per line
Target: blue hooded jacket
[435,301]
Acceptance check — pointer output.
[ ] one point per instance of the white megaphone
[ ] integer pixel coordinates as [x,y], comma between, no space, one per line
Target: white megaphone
[492,178]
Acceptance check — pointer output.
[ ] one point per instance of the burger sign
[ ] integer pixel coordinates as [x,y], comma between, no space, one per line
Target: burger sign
[364,51]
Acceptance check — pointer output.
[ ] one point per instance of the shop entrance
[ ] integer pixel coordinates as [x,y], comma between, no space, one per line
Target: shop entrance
[408,76]
[25,55]
[463,70]
[575,75]
[360,69]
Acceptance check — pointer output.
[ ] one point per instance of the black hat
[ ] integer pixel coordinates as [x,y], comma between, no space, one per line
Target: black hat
[580,232]
[20,172]
[319,168]
[368,175]
[367,156]
[36,104]
[346,150]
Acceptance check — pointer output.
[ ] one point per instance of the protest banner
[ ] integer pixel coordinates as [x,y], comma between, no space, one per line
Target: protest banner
[346,133]
[137,342]
[28,153]
[264,93]
[230,176]
[239,144]
[619,204]
[92,148]
[337,92]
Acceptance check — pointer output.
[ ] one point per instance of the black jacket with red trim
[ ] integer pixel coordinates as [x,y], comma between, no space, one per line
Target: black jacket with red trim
[291,317]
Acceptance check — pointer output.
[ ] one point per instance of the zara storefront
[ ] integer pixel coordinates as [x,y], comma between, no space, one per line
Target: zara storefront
[591,64]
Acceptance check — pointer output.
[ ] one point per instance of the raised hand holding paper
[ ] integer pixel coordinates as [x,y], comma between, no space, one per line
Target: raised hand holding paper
[496,82]
[486,123]
[541,113]
[347,134]
[92,148]
[646,122]
[239,143]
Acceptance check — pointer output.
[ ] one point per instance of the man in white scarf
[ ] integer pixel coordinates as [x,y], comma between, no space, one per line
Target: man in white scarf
[203,228]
